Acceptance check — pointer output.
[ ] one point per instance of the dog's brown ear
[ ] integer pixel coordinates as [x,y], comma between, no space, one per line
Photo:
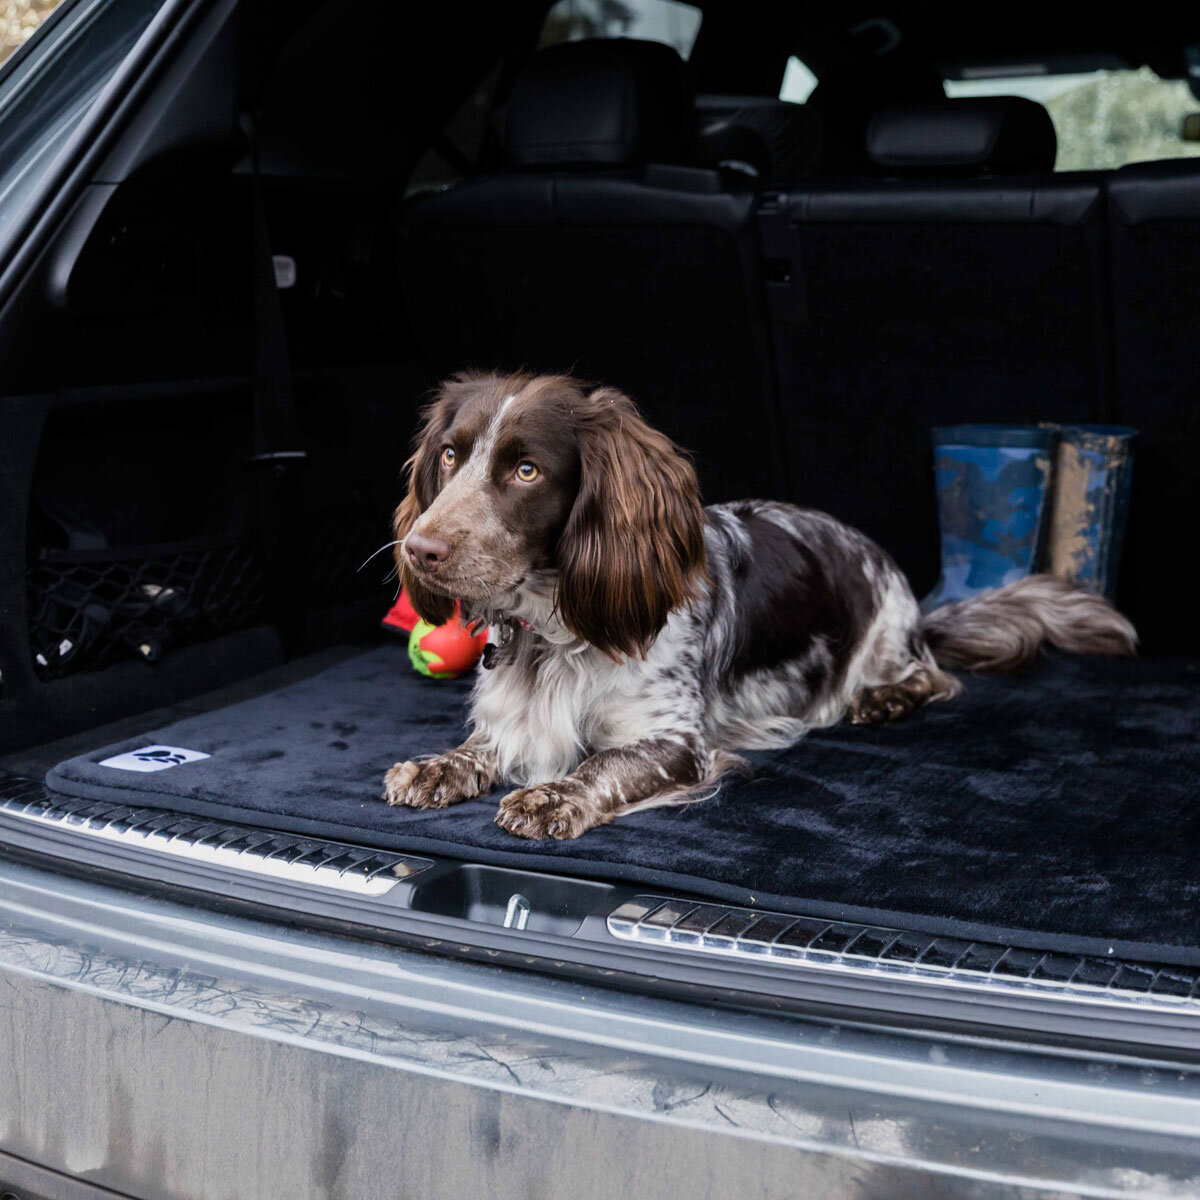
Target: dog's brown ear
[633,547]
[422,471]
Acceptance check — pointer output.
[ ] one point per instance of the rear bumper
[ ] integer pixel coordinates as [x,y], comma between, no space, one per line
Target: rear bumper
[669,945]
[158,1049]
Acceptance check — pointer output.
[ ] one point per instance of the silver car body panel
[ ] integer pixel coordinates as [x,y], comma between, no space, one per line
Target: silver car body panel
[195,1054]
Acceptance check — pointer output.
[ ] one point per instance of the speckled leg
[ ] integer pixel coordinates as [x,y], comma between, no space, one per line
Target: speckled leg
[601,788]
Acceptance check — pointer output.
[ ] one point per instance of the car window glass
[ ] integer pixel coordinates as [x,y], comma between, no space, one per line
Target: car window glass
[798,81]
[18,21]
[1104,119]
[650,20]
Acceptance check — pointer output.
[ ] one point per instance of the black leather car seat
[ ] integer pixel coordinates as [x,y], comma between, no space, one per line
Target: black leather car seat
[603,250]
[1154,244]
[963,281]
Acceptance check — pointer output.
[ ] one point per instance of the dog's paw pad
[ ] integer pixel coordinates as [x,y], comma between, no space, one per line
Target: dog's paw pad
[543,812]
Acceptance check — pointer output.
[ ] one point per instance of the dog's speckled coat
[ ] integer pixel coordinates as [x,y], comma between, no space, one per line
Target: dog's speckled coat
[649,640]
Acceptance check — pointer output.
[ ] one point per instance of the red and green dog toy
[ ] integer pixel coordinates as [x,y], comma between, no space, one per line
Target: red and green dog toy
[439,651]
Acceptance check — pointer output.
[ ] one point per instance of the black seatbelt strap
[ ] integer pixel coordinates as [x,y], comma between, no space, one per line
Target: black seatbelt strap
[277,450]
[276,433]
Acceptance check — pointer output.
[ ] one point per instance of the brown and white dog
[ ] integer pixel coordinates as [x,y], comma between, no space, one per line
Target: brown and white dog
[638,639]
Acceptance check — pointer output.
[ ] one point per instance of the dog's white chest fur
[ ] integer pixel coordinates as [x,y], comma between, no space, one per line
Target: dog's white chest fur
[538,715]
[555,703]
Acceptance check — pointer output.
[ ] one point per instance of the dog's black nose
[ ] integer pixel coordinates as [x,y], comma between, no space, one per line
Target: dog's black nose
[425,552]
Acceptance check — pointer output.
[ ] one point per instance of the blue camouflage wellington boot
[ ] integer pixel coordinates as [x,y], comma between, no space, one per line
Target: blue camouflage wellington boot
[993,502]
[1093,473]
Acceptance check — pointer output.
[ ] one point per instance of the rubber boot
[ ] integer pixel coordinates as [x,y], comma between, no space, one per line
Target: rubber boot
[1093,473]
[993,502]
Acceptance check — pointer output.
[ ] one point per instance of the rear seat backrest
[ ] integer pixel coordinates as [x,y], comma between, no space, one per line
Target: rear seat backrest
[967,286]
[596,252]
[1154,239]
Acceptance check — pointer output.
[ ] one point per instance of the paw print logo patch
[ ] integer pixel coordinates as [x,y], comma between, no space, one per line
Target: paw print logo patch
[153,758]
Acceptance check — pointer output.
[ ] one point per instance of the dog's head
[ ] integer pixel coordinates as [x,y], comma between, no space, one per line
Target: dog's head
[516,474]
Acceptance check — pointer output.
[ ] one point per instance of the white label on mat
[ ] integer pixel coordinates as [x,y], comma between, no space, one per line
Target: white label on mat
[153,758]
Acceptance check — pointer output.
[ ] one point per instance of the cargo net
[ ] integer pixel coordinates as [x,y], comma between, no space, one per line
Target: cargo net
[91,608]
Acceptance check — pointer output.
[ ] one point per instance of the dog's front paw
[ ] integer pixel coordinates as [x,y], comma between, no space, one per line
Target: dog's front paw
[547,811]
[435,783]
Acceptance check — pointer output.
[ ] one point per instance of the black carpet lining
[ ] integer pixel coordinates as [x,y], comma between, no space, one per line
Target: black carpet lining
[1056,809]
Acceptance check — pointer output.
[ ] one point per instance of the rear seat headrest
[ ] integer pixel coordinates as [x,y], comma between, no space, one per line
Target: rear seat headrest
[968,135]
[601,102]
[773,140]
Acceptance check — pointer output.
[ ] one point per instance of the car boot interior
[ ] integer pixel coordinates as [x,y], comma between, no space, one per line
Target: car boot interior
[798,294]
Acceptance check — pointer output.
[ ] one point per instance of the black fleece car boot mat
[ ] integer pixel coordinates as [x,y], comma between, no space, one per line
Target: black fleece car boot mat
[1058,808]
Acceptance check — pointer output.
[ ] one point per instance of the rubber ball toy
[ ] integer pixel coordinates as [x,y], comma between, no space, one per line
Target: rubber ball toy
[439,651]
[445,651]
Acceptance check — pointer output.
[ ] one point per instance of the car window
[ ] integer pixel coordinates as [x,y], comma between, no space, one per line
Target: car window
[1104,119]
[665,21]
[18,21]
[798,81]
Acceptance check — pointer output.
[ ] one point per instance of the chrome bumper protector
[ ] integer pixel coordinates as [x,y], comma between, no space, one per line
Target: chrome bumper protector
[726,932]
[292,857]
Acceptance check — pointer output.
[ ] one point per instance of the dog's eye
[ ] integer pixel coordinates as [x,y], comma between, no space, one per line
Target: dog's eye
[527,472]
[448,456]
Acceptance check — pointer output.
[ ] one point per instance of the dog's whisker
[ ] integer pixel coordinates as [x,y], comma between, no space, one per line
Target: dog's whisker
[377,553]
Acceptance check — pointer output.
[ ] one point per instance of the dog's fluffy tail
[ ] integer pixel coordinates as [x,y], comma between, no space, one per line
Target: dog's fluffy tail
[1004,629]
